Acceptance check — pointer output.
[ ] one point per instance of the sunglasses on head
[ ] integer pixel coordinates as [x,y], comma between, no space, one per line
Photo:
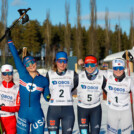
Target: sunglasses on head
[7,73]
[62,61]
[30,62]
[118,68]
[90,64]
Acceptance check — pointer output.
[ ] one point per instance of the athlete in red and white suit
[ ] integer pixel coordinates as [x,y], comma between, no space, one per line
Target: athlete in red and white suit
[9,97]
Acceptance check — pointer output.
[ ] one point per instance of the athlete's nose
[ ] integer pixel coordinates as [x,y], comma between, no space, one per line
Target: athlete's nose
[90,67]
[30,64]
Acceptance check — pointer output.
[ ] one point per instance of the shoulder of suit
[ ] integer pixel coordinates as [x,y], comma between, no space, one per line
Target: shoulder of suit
[70,71]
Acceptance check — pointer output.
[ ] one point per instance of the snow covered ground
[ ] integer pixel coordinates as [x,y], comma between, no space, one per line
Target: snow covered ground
[75,130]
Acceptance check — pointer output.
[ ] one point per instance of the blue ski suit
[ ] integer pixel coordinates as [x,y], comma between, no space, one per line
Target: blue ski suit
[30,112]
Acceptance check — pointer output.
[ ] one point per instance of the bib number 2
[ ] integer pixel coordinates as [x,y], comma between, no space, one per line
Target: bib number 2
[61,93]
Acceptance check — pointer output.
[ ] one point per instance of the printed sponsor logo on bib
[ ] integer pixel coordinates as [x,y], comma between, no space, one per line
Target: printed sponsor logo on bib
[83,131]
[6,97]
[117,89]
[60,82]
[54,82]
[52,122]
[52,100]
[52,132]
[83,121]
[89,87]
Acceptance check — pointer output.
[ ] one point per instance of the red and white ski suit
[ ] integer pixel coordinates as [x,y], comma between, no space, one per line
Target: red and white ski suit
[9,95]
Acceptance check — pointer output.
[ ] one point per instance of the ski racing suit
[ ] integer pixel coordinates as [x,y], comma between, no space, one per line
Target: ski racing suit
[89,93]
[118,101]
[61,102]
[30,112]
[9,96]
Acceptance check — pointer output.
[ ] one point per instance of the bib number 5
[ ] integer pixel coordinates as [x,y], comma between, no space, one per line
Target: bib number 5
[89,97]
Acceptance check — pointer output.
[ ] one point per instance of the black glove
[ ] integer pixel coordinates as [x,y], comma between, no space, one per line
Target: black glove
[8,34]
[2,105]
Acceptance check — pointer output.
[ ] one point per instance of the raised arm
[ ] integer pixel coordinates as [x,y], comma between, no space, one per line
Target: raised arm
[18,63]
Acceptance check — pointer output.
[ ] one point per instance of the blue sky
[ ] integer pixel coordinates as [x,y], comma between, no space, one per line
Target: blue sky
[117,9]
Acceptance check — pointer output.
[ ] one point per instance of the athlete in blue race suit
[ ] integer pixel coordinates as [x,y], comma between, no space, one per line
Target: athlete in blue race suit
[30,112]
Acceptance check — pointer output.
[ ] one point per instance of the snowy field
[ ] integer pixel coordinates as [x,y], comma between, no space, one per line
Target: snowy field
[75,130]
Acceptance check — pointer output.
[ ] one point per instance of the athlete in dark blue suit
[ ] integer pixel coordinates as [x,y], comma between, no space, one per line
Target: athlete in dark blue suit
[32,84]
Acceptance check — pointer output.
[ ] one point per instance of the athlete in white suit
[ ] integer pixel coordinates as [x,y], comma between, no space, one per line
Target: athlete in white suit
[89,91]
[118,90]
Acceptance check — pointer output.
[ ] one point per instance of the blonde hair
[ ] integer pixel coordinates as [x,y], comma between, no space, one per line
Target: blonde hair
[54,66]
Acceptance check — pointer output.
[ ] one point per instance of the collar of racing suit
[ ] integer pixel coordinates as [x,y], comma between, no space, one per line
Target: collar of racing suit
[61,73]
[120,78]
[7,84]
[92,76]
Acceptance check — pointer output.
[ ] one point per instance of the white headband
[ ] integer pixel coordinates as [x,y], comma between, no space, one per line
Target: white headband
[118,62]
[7,68]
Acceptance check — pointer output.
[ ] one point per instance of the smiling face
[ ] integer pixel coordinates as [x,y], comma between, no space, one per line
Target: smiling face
[7,77]
[7,72]
[61,64]
[118,72]
[118,67]
[32,67]
[90,69]
[30,64]
[90,63]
